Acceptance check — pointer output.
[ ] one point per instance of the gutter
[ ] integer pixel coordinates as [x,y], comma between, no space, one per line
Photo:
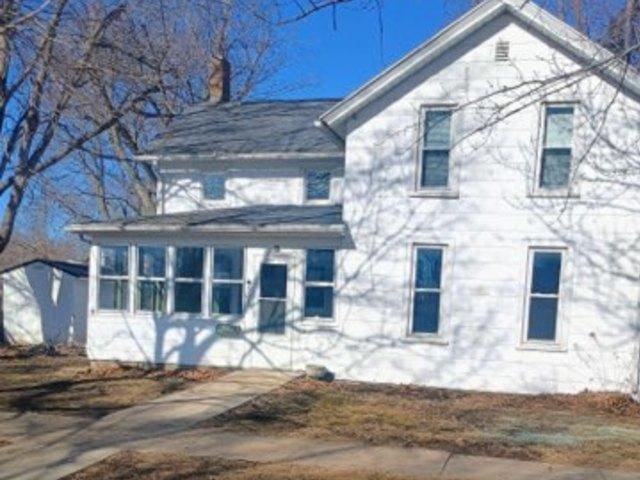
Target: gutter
[321,230]
[243,156]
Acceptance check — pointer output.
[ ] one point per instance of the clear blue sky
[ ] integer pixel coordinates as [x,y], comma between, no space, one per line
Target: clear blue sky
[328,62]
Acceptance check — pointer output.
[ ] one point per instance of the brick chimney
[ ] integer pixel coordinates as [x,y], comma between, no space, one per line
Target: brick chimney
[220,80]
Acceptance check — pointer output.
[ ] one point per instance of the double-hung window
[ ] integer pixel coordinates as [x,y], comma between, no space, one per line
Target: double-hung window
[555,162]
[151,291]
[188,280]
[113,285]
[214,186]
[427,290]
[435,149]
[318,185]
[319,283]
[228,281]
[544,294]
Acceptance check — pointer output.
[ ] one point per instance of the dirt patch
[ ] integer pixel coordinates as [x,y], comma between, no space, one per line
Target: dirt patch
[4,442]
[62,381]
[158,466]
[592,430]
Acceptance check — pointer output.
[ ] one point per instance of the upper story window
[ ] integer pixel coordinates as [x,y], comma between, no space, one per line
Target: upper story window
[544,294]
[214,186]
[113,285]
[151,288]
[318,185]
[435,149]
[555,162]
[188,279]
[319,284]
[427,290]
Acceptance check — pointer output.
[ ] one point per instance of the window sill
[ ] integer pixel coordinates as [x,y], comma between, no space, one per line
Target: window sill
[450,194]
[426,339]
[542,347]
[550,193]
[318,324]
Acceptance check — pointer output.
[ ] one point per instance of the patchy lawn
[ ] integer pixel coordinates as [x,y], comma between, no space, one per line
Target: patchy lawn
[64,383]
[591,430]
[160,466]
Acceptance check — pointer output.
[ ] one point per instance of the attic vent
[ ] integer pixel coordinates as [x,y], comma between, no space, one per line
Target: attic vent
[502,51]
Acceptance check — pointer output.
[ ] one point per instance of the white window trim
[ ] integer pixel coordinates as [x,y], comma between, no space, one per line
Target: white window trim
[305,184]
[572,189]
[559,344]
[313,283]
[175,280]
[100,277]
[451,190]
[441,337]
[203,196]
[226,317]
[139,278]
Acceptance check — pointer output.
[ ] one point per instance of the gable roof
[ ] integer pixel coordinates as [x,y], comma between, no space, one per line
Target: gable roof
[536,17]
[247,129]
[72,268]
[316,219]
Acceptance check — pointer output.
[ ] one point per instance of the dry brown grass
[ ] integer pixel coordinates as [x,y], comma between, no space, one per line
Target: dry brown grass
[4,442]
[160,466]
[65,383]
[593,430]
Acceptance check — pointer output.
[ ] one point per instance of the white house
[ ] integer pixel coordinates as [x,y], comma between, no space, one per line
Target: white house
[467,219]
[45,301]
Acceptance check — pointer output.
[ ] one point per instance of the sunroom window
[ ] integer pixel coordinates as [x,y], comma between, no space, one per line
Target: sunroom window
[319,284]
[188,280]
[113,287]
[228,281]
[151,291]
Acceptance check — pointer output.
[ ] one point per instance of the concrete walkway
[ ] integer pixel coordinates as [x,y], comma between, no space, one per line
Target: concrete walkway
[410,462]
[169,424]
[61,453]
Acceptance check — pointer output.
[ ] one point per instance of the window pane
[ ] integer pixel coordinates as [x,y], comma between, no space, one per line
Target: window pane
[214,187]
[318,185]
[188,297]
[559,127]
[435,168]
[320,265]
[546,272]
[272,316]
[114,260]
[556,167]
[228,263]
[151,261]
[426,312]
[542,318]
[189,262]
[437,131]
[114,295]
[318,302]
[429,268]
[227,298]
[151,296]
[273,281]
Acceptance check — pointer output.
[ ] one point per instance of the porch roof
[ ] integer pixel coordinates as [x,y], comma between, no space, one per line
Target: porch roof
[302,219]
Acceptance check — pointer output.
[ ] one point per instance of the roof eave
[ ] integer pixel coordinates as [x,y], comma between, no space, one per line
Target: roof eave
[155,158]
[302,229]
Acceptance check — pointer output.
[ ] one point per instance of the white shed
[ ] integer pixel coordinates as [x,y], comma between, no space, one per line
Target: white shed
[45,301]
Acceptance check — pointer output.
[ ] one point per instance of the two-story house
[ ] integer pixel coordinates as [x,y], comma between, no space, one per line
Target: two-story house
[466,219]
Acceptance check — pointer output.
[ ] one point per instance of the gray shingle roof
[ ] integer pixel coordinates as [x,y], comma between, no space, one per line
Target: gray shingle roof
[249,218]
[281,126]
